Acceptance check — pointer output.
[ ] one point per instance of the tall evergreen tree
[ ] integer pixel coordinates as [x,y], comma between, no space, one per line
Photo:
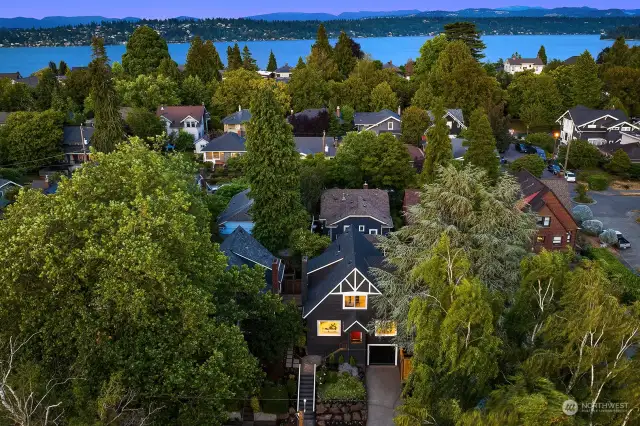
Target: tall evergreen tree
[415,121]
[345,60]
[169,68]
[145,50]
[618,54]
[248,63]
[273,173]
[542,54]
[63,68]
[300,63]
[586,87]
[482,144]
[203,60]
[272,65]
[322,40]
[47,86]
[322,56]
[234,58]
[108,122]
[468,33]
[212,52]
[438,151]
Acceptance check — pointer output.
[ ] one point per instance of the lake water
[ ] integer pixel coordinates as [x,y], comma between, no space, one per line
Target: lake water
[397,49]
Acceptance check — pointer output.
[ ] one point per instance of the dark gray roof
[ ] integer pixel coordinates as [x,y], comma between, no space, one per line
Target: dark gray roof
[371,118]
[310,113]
[338,204]
[11,75]
[241,248]
[229,142]
[632,149]
[560,187]
[571,60]
[72,135]
[4,182]
[3,117]
[389,65]
[581,114]
[238,209]
[456,113]
[285,68]
[31,81]
[458,148]
[350,250]
[309,145]
[237,117]
[520,61]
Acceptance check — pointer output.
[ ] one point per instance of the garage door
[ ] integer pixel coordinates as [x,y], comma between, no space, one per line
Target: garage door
[382,355]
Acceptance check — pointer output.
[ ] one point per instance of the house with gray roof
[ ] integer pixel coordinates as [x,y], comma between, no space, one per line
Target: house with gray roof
[608,129]
[237,122]
[242,249]
[236,214]
[311,145]
[6,185]
[338,290]
[75,144]
[3,117]
[13,76]
[31,81]
[284,71]
[189,118]
[219,150]
[363,210]
[455,121]
[514,65]
[384,121]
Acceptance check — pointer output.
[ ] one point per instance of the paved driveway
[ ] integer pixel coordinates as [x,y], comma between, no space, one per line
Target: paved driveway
[511,155]
[616,211]
[383,394]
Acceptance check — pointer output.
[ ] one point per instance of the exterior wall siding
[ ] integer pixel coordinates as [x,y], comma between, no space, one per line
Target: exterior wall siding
[559,226]
[355,223]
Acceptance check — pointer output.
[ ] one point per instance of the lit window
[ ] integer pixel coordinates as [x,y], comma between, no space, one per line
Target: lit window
[361,228]
[386,328]
[329,328]
[390,125]
[557,240]
[543,221]
[373,231]
[356,337]
[355,302]
[540,239]
[217,155]
[568,236]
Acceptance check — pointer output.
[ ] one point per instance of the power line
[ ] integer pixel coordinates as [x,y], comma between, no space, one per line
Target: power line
[31,161]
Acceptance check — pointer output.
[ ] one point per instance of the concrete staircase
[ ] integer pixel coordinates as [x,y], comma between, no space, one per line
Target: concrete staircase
[307,392]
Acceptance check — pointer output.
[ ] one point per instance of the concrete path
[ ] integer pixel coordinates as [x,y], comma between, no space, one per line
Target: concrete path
[383,394]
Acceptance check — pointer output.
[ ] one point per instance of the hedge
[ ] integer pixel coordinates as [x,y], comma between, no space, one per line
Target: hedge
[619,274]
[346,388]
[598,182]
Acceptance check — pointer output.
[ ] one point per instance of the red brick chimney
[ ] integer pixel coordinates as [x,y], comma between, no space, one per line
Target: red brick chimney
[275,284]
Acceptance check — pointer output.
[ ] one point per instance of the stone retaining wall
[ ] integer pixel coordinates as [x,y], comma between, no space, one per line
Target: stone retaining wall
[336,413]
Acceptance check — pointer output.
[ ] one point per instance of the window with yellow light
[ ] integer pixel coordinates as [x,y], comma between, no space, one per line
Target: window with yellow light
[355,302]
[329,328]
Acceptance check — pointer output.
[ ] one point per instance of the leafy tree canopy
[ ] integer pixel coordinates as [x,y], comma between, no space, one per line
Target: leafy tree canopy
[145,50]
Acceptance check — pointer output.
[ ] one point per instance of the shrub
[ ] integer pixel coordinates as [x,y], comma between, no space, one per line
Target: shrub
[542,140]
[582,155]
[598,182]
[15,175]
[592,227]
[620,163]
[582,213]
[332,358]
[582,197]
[620,275]
[274,399]
[352,361]
[341,359]
[634,171]
[608,236]
[345,388]
[532,163]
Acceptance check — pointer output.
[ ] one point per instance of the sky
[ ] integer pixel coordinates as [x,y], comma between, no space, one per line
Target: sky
[221,8]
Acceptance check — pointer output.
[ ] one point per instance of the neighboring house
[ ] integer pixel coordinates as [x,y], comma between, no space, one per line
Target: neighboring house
[191,118]
[609,129]
[44,186]
[242,249]
[411,198]
[363,210]
[237,122]
[514,65]
[389,66]
[550,201]
[284,72]
[458,148]
[455,121]
[571,60]
[310,122]
[417,156]
[13,76]
[75,144]
[6,185]
[337,293]
[236,214]
[220,149]
[31,81]
[385,121]
[315,145]
[3,117]
[266,74]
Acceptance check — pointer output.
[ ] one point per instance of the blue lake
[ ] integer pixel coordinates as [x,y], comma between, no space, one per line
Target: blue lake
[397,49]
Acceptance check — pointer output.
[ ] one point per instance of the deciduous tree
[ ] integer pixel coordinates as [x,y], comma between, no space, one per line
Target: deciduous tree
[383,97]
[429,53]
[586,87]
[415,122]
[148,91]
[145,50]
[532,163]
[308,89]
[620,162]
[144,124]
[193,91]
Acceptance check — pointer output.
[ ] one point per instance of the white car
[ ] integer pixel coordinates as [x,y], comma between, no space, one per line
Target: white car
[570,176]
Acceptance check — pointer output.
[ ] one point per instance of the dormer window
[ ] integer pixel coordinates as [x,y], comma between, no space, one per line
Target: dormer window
[355,302]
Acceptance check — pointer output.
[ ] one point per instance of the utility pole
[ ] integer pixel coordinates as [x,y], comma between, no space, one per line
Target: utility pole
[84,147]
[566,156]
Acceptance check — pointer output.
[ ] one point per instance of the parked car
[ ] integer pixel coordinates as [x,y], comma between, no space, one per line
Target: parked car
[622,243]
[570,176]
[525,148]
[554,167]
[541,153]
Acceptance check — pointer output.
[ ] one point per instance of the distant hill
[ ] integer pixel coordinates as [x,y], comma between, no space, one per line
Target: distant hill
[301,16]
[55,21]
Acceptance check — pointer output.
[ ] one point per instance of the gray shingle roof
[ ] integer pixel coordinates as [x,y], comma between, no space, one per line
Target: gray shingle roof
[237,117]
[310,113]
[520,61]
[72,135]
[176,114]
[31,81]
[285,68]
[229,142]
[337,204]
[238,209]
[370,118]
[309,145]
[456,113]
[4,182]
[355,251]
[632,149]
[11,75]
[389,65]
[581,114]
[571,60]
[458,148]
[241,248]
[560,187]
[3,117]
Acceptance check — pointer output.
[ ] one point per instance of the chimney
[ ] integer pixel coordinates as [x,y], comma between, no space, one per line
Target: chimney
[275,283]
[338,111]
[324,142]
[305,279]
[365,186]
[399,110]
[239,108]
